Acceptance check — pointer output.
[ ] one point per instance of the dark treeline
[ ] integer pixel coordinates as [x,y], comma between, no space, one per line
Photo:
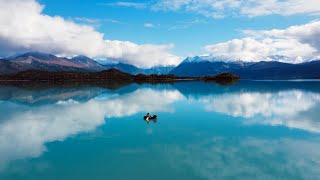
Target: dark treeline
[107,75]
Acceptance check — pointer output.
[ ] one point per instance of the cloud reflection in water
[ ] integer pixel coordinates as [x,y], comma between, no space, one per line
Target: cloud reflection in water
[25,127]
[292,108]
[24,130]
[246,158]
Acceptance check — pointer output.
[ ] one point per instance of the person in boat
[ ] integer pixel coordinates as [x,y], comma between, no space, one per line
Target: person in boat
[147,116]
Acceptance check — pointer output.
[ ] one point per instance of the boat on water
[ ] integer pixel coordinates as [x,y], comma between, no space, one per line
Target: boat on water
[148,118]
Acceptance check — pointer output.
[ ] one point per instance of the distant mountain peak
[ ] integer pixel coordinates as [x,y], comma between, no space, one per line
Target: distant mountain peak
[315,58]
[285,59]
[225,59]
[196,59]
[278,58]
[81,57]
[39,55]
[49,62]
[210,58]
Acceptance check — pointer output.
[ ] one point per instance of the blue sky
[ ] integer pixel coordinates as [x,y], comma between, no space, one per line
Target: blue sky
[188,31]
[162,32]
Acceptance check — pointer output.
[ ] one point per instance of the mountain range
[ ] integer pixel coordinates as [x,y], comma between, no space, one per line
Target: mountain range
[204,66]
[52,63]
[199,66]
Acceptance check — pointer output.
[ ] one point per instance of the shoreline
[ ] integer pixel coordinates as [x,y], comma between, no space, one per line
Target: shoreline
[112,75]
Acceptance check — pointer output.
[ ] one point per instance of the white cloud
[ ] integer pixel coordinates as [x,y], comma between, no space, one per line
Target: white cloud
[94,21]
[23,27]
[281,7]
[187,24]
[126,4]
[305,34]
[86,20]
[251,8]
[293,42]
[151,25]
[246,49]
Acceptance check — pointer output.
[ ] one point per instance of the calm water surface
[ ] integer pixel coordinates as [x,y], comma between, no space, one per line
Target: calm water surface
[250,130]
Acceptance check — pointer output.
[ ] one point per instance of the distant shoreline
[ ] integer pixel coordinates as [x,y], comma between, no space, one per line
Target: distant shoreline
[107,76]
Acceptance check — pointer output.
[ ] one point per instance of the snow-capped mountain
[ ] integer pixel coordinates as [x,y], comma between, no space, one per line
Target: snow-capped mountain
[315,58]
[276,58]
[272,67]
[285,59]
[49,62]
[210,58]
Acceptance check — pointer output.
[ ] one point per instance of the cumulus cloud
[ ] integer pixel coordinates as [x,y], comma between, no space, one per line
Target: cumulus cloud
[247,49]
[23,27]
[295,42]
[251,8]
[304,34]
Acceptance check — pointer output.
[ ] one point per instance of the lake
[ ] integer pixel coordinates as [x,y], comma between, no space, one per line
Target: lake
[248,130]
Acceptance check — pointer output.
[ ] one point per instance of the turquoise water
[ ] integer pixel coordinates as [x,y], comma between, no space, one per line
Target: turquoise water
[249,130]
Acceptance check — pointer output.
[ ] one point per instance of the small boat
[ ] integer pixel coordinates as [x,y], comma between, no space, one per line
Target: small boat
[153,117]
[150,117]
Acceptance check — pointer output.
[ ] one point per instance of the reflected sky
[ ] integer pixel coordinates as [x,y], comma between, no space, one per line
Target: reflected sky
[292,108]
[247,130]
[57,121]
[248,158]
